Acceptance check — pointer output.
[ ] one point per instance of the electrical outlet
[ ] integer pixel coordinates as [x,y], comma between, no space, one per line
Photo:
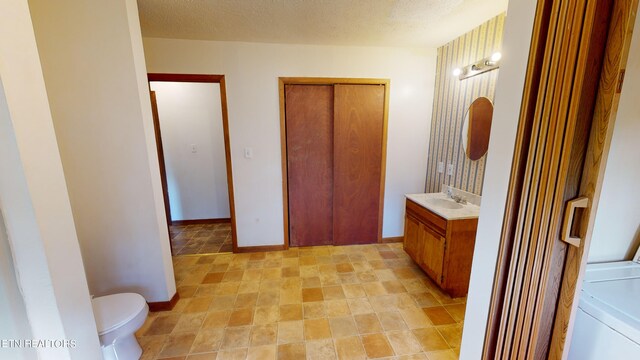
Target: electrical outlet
[450,169]
[440,167]
[194,148]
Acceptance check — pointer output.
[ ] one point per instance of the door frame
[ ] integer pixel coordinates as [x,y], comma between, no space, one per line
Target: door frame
[282,81]
[200,78]
[591,142]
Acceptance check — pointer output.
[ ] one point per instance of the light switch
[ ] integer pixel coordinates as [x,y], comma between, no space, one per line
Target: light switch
[248,153]
[440,167]
[194,148]
[450,169]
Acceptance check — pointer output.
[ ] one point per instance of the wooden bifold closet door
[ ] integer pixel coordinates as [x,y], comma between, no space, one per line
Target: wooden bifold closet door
[334,150]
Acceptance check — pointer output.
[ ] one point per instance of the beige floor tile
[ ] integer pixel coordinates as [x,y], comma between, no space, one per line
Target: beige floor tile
[367,323]
[290,296]
[290,312]
[360,306]
[425,299]
[266,315]
[236,337]
[442,355]
[178,344]
[207,340]
[419,356]
[350,348]
[394,287]
[314,310]
[415,318]
[264,335]
[376,346]
[374,288]
[384,303]
[222,302]
[320,350]
[252,275]
[189,322]
[247,300]
[290,332]
[268,298]
[232,354]
[310,282]
[227,288]
[337,308]
[151,346]
[452,334]
[291,351]
[216,319]
[203,356]
[265,352]
[343,326]
[316,329]
[391,320]
[385,275]
[162,325]
[430,339]
[404,342]
[333,292]
[248,287]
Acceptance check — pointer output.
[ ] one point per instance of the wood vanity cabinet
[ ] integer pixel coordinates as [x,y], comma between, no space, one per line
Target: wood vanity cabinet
[442,248]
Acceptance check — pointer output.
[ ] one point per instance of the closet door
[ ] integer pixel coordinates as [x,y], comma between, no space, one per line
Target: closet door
[309,127]
[357,168]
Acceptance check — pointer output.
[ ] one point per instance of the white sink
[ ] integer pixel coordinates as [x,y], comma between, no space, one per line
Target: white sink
[443,203]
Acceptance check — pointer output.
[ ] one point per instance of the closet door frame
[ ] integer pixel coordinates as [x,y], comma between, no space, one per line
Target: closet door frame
[282,82]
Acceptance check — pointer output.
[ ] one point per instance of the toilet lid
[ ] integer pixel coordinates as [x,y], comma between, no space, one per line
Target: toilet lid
[113,311]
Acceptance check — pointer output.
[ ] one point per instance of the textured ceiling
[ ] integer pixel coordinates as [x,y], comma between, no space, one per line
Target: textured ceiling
[325,22]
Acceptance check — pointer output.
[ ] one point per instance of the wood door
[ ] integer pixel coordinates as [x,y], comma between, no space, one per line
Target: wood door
[432,253]
[570,53]
[161,165]
[357,176]
[309,131]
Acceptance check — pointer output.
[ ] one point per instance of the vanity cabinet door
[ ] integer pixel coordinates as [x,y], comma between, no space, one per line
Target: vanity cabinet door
[412,243]
[432,253]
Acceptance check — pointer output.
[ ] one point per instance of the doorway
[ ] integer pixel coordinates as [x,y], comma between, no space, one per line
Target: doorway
[333,157]
[192,137]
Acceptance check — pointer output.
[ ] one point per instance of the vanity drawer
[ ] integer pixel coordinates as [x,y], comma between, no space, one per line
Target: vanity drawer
[436,222]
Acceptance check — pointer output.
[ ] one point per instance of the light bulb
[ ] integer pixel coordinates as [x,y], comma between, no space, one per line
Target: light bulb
[457,72]
[496,56]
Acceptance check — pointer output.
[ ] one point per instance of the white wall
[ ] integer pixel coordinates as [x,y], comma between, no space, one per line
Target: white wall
[34,199]
[13,314]
[515,51]
[252,71]
[191,114]
[95,77]
[616,231]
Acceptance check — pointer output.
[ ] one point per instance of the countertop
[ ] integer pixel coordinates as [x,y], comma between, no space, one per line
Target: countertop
[468,211]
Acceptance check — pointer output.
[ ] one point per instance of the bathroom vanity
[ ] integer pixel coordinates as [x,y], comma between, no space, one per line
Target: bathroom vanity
[439,235]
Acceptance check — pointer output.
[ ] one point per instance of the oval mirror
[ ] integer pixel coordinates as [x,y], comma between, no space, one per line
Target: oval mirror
[477,128]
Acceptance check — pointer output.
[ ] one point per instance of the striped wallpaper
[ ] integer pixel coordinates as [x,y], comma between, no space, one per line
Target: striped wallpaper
[452,99]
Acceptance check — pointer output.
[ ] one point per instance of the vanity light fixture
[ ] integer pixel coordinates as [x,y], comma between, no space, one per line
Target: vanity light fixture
[487,64]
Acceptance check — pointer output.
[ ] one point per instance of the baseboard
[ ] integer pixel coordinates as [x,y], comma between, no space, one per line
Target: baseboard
[393,239]
[164,305]
[247,249]
[200,221]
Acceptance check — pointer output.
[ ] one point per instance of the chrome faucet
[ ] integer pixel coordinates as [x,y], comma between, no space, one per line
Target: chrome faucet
[457,198]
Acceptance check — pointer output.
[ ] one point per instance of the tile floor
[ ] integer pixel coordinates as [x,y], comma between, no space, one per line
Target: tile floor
[201,239]
[344,302]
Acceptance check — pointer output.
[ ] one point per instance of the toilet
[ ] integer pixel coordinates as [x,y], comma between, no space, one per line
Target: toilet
[118,317]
